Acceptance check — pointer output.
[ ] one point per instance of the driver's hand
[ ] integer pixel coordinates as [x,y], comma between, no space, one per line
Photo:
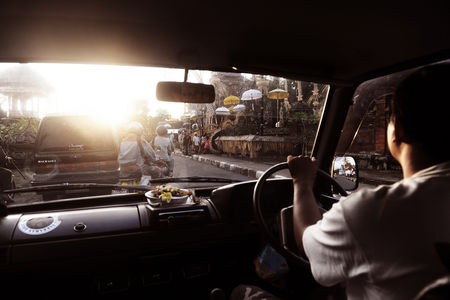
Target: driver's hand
[303,170]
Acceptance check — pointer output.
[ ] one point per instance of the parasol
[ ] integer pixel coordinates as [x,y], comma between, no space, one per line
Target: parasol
[239,108]
[277,94]
[251,95]
[231,100]
[222,111]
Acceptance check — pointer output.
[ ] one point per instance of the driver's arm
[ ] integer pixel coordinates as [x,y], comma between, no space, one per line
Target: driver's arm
[306,212]
[331,247]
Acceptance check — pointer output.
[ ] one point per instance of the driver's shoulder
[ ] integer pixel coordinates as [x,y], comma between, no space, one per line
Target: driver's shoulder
[365,208]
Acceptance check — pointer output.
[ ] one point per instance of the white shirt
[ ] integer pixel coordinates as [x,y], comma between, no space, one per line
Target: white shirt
[163,146]
[381,241]
[196,140]
[129,153]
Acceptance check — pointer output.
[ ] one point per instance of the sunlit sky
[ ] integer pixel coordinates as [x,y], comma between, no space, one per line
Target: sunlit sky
[106,91]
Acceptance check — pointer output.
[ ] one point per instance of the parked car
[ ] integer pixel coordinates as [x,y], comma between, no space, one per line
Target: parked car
[129,245]
[75,149]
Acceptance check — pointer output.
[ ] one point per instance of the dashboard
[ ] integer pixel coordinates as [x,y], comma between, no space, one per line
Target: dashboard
[112,244]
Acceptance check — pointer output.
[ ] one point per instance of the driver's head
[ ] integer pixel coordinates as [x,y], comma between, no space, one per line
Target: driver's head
[421,110]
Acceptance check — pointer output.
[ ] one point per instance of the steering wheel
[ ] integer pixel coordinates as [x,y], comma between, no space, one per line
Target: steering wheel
[285,244]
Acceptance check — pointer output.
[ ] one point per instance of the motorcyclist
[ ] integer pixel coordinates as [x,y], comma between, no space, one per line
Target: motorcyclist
[164,147]
[136,156]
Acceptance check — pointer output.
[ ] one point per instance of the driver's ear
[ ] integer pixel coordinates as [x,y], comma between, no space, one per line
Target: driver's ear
[399,131]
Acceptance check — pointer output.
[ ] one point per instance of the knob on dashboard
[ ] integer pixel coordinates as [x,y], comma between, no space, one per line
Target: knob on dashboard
[79,227]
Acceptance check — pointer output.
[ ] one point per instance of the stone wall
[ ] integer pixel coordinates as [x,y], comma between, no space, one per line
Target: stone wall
[254,146]
[369,147]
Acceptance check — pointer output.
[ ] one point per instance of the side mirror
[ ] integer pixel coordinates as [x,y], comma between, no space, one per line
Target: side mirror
[345,172]
[186,92]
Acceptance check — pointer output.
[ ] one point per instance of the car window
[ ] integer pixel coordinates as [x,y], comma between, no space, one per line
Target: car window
[73,133]
[69,123]
[369,117]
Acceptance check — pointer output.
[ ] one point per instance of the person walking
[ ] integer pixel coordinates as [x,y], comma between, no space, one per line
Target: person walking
[196,142]
[180,140]
[202,144]
[206,145]
[186,143]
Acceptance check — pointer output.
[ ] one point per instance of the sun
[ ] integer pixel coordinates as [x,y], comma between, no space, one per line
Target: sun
[108,92]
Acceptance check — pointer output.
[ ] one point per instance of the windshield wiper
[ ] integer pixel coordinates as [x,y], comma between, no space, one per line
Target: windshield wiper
[79,186]
[194,179]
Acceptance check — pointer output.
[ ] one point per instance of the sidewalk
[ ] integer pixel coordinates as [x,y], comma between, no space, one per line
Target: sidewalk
[254,169]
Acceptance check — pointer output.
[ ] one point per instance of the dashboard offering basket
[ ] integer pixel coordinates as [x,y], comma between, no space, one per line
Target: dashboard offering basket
[156,200]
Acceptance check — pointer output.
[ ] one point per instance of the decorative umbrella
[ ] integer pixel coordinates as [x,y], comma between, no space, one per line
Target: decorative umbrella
[239,107]
[222,111]
[277,94]
[251,95]
[231,100]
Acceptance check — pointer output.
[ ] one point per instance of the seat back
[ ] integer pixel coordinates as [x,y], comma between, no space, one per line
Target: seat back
[440,288]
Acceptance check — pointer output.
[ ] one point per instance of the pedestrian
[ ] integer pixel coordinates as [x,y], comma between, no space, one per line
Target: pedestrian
[164,147]
[186,143]
[180,140]
[381,242]
[202,143]
[196,142]
[206,145]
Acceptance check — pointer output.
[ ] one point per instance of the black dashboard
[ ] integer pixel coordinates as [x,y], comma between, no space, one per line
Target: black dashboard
[108,245]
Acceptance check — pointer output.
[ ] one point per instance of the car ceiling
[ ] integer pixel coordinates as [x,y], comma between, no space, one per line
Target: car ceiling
[339,42]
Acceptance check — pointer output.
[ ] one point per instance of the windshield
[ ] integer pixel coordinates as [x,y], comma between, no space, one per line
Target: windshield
[68,123]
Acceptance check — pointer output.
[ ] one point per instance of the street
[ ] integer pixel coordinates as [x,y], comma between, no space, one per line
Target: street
[187,167]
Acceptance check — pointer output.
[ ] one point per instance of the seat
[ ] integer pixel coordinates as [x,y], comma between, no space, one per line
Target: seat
[436,290]
[439,288]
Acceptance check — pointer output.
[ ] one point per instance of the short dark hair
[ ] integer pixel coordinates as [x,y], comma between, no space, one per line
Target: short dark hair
[421,104]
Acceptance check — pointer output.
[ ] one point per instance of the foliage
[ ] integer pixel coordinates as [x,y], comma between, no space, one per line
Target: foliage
[20,130]
[305,123]
[149,122]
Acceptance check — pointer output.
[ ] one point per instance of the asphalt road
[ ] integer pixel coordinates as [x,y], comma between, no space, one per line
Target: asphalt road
[188,167]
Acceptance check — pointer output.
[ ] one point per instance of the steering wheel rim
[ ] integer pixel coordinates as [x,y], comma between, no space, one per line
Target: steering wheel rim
[257,195]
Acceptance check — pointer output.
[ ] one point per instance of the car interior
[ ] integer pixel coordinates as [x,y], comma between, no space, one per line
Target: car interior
[117,245]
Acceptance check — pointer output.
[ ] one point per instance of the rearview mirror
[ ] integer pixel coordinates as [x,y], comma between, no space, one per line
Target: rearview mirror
[345,172]
[185,92]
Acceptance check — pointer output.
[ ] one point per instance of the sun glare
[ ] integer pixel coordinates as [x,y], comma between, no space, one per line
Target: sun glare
[111,93]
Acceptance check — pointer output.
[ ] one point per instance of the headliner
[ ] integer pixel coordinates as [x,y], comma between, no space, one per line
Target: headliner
[337,42]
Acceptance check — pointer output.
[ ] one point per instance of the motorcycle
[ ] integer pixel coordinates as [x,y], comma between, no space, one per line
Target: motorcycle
[156,169]
[163,167]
